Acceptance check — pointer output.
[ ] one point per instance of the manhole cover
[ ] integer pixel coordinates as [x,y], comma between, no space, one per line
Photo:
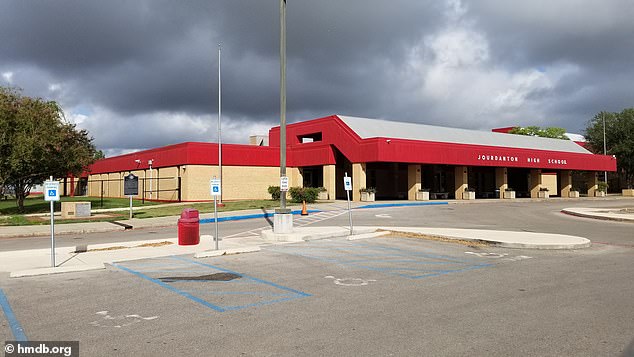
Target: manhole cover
[209,277]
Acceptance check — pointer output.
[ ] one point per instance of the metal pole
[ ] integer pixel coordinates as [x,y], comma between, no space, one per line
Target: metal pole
[605,174]
[216,220]
[130,206]
[150,162]
[53,230]
[349,210]
[283,98]
[52,237]
[219,132]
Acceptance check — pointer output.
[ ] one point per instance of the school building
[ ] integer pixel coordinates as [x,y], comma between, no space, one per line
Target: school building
[402,161]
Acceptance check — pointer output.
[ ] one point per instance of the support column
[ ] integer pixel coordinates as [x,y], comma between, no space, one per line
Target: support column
[330,181]
[593,183]
[501,180]
[462,181]
[295,176]
[358,179]
[535,182]
[565,183]
[413,181]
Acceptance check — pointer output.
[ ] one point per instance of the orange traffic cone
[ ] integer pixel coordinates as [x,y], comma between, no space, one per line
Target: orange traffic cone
[304,210]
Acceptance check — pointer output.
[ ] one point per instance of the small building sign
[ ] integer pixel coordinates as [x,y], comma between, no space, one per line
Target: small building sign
[284,183]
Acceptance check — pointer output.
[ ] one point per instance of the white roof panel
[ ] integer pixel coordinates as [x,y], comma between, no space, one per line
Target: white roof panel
[376,128]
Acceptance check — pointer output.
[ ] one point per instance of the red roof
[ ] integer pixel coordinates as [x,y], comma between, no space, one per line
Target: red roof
[332,133]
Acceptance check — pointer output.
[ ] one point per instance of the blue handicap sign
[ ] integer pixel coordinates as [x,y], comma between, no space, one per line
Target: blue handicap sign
[216,188]
[52,193]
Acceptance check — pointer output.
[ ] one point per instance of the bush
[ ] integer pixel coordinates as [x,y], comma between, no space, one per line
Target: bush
[368,189]
[308,194]
[603,187]
[275,192]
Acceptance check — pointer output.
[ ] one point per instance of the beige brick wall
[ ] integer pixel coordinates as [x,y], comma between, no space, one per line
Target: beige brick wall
[167,183]
[549,181]
[239,182]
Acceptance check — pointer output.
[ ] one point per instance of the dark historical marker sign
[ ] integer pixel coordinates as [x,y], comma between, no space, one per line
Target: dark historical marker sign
[131,185]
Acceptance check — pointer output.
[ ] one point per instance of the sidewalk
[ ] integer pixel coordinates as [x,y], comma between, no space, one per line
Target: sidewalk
[38,261]
[171,221]
[615,214]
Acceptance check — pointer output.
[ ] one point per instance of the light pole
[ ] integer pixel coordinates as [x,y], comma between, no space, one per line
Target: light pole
[605,173]
[219,133]
[283,97]
[283,220]
[150,162]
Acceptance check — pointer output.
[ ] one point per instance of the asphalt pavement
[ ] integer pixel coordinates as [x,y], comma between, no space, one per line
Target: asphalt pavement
[31,262]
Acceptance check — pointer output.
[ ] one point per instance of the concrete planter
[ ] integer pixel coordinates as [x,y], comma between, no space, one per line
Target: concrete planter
[573,194]
[367,196]
[508,194]
[543,194]
[599,194]
[323,196]
[468,195]
[422,196]
[628,192]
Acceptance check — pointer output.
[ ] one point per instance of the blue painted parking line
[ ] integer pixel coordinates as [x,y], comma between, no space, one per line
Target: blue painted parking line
[14,324]
[384,205]
[242,292]
[251,216]
[409,264]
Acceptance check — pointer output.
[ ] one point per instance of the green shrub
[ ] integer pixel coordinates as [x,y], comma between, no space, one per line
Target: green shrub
[603,187]
[308,194]
[368,189]
[275,192]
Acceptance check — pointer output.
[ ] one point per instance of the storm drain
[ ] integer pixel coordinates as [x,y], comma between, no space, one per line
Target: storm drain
[209,277]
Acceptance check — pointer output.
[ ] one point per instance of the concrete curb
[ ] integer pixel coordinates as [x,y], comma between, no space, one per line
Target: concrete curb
[220,252]
[56,270]
[368,235]
[306,234]
[579,212]
[504,239]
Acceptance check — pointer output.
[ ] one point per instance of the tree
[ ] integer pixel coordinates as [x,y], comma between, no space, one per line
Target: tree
[36,142]
[619,139]
[549,132]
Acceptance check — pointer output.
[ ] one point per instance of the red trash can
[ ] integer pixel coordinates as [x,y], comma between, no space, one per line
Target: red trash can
[189,227]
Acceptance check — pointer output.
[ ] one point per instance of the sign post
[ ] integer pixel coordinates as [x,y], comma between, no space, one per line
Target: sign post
[347,184]
[51,194]
[130,188]
[216,191]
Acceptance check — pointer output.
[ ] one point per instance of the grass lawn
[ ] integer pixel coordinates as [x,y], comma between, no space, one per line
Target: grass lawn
[36,204]
[206,207]
[9,209]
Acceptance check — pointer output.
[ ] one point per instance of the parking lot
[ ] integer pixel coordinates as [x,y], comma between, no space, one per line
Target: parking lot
[391,295]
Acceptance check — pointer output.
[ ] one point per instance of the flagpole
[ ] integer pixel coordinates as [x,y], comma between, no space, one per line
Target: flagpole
[219,131]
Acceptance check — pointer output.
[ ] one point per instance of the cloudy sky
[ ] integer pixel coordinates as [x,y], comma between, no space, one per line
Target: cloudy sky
[143,73]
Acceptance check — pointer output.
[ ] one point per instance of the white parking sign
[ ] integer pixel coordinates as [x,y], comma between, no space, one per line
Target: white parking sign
[347,183]
[51,191]
[215,187]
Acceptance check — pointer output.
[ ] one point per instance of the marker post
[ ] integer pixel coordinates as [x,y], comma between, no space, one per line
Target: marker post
[131,187]
[51,194]
[216,191]
[347,184]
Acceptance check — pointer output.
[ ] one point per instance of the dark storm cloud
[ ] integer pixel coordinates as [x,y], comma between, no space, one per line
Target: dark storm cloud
[153,63]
